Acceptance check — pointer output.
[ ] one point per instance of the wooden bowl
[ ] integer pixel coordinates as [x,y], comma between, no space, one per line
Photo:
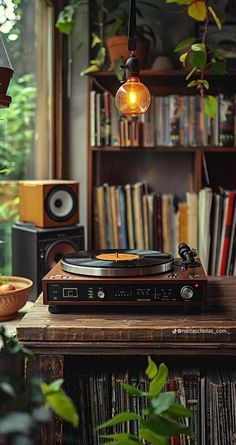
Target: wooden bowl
[12,300]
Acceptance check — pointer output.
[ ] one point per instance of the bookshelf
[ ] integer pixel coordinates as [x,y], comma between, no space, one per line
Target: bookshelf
[86,343]
[167,168]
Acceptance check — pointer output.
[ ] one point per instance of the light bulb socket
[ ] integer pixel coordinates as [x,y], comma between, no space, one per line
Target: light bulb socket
[132,67]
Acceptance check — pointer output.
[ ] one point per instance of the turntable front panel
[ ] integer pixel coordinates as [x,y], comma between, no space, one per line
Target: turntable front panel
[175,288]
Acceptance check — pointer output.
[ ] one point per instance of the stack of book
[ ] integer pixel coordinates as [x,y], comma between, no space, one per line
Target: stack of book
[131,217]
[170,121]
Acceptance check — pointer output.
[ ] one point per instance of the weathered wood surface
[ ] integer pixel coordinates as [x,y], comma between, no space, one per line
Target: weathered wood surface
[77,332]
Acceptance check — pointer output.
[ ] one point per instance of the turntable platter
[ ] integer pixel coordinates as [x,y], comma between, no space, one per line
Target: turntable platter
[115,263]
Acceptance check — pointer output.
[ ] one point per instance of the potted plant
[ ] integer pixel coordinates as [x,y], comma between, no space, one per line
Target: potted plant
[109,22]
[6,73]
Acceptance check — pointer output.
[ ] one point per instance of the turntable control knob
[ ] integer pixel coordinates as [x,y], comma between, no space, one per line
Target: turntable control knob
[101,294]
[186,292]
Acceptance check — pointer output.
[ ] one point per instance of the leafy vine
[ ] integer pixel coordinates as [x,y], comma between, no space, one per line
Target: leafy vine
[198,54]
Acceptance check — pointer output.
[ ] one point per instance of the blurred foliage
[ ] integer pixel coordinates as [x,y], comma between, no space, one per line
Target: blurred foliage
[17,135]
[25,406]
[159,420]
[197,54]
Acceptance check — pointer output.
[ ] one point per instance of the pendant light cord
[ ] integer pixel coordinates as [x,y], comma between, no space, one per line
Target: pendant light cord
[8,59]
[132,43]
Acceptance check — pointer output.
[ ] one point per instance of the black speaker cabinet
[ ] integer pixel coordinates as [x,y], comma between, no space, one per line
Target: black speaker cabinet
[35,250]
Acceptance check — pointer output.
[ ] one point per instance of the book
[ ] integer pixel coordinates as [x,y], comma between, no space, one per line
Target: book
[226,232]
[226,120]
[137,193]
[101,217]
[129,216]
[192,217]
[204,235]
[174,112]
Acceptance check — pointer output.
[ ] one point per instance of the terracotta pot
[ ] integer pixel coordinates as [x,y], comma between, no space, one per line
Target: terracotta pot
[118,48]
[6,74]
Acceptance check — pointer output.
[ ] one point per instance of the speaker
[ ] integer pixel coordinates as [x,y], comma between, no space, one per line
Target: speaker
[35,250]
[49,203]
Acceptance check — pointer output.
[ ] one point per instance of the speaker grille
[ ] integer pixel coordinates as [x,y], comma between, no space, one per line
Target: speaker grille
[61,203]
[54,252]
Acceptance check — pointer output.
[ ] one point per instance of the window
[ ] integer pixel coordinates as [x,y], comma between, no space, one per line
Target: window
[26,127]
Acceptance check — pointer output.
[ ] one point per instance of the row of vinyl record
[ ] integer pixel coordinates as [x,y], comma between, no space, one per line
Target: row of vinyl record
[210,397]
[131,217]
[170,121]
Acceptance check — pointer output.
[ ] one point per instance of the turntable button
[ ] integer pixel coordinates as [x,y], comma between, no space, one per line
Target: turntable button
[186,292]
[101,294]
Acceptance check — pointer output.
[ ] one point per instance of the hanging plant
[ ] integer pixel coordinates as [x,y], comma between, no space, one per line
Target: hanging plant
[198,54]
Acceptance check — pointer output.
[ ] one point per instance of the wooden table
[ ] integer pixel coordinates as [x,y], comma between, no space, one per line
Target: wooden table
[54,337]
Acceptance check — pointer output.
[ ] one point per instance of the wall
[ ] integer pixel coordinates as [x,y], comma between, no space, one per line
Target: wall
[77,95]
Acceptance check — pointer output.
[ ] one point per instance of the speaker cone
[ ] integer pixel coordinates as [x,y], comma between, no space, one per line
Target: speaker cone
[56,250]
[61,203]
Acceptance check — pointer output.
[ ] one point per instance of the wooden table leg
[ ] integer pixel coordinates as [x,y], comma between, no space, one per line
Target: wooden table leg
[49,368]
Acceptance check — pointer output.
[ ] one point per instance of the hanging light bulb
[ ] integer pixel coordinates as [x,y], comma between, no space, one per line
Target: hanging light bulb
[133,97]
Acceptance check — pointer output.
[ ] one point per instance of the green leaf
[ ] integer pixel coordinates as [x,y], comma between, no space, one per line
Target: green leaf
[162,402]
[159,381]
[7,389]
[198,47]
[132,390]
[177,410]
[210,106]
[205,83]
[119,436]
[152,437]
[198,59]
[51,387]
[219,66]
[184,44]
[119,418]
[193,83]
[63,406]
[65,19]
[122,439]
[95,40]
[165,426]
[90,69]
[183,57]
[152,369]
[15,423]
[43,414]
[101,56]
[217,20]
[198,10]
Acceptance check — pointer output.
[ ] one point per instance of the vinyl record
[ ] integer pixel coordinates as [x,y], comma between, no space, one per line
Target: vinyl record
[120,262]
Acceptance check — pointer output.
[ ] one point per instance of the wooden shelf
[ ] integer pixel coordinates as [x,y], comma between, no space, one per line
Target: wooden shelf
[168,82]
[164,149]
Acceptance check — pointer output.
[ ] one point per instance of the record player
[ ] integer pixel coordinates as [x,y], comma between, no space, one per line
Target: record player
[126,278]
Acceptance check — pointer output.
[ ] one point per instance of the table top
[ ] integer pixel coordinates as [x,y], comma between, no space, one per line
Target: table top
[88,332]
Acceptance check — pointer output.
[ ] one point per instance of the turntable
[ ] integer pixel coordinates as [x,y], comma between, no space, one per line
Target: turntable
[126,278]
